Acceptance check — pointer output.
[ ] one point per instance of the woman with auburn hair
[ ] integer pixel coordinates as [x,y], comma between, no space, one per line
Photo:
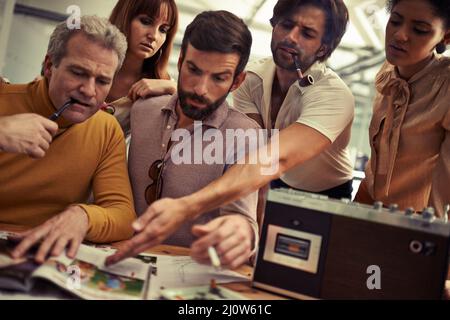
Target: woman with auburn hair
[410,128]
[150,27]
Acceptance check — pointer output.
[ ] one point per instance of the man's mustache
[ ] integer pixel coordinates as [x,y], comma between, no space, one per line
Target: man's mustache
[292,46]
[197,98]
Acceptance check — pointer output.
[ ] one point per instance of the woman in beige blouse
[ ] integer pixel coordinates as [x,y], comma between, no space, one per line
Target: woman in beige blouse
[410,129]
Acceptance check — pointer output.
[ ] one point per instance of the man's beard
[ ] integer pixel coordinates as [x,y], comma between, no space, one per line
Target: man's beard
[196,113]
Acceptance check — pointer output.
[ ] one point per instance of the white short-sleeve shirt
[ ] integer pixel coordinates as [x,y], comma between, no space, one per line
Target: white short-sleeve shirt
[327,106]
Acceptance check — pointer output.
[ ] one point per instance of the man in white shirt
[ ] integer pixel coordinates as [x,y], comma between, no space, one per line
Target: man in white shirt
[272,96]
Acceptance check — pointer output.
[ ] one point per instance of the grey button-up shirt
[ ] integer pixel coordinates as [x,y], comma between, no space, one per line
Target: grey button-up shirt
[153,121]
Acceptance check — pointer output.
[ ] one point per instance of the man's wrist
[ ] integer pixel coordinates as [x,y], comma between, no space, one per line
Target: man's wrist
[253,232]
[79,210]
[193,207]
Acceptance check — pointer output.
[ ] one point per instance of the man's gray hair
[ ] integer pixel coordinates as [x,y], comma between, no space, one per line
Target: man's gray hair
[97,29]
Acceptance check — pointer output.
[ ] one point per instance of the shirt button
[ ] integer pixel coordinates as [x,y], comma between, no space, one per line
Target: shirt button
[163,145]
[169,127]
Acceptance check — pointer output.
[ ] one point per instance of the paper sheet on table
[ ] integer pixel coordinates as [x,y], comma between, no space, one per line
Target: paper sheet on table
[183,271]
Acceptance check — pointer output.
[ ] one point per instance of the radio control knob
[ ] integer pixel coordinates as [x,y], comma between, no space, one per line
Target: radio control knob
[410,211]
[428,213]
[393,208]
[378,205]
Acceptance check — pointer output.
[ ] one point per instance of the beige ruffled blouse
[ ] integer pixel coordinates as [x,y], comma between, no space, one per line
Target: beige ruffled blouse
[410,138]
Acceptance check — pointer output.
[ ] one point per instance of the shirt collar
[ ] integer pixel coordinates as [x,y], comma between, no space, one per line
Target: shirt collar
[424,71]
[392,71]
[215,120]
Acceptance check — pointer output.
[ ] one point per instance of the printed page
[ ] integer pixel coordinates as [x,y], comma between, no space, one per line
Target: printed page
[87,277]
[183,271]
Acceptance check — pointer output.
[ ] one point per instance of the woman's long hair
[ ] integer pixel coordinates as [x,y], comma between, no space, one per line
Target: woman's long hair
[126,10]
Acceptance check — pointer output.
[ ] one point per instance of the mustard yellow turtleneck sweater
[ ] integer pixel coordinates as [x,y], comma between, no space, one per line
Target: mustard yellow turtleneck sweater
[83,157]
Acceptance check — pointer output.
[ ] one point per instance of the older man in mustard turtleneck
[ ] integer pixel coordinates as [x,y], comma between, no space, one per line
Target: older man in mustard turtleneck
[86,152]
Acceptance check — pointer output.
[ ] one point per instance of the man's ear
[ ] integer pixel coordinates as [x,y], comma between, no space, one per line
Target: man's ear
[180,62]
[238,81]
[48,64]
[322,51]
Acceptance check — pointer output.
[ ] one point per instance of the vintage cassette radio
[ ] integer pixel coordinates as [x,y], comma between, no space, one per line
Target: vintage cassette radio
[314,247]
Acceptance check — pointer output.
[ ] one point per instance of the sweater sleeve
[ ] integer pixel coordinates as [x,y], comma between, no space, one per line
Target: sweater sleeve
[111,215]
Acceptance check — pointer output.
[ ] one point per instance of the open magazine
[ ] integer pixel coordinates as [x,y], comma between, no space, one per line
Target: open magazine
[85,276]
[142,277]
